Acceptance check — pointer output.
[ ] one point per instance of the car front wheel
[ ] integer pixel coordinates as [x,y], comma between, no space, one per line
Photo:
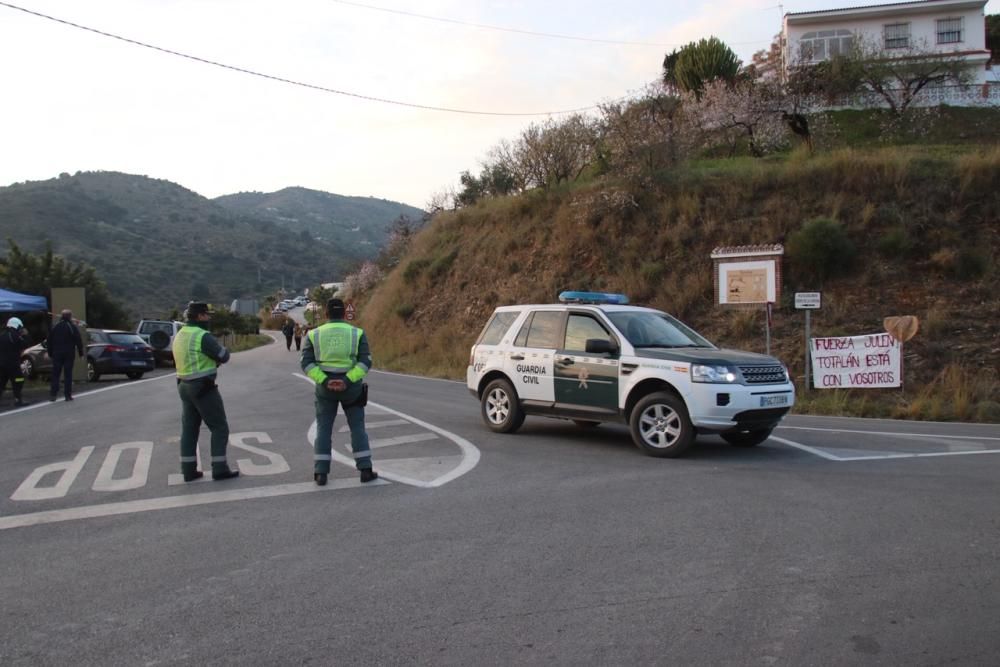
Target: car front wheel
[500,407]
[27,368]
[747,438]
[660,425]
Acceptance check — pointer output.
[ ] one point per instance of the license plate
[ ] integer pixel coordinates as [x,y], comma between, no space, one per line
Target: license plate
[138,363]
[768,401]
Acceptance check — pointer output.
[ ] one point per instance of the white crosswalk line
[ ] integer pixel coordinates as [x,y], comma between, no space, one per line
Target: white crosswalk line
[400,440]
[371,425]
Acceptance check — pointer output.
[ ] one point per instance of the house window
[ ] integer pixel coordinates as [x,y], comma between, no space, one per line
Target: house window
[897,35]
[823,44]
[949,31]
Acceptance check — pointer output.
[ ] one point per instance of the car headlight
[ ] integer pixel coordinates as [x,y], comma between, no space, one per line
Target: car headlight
[705,373]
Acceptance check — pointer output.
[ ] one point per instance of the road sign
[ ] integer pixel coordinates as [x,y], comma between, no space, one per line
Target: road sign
[349,311]
[808,300]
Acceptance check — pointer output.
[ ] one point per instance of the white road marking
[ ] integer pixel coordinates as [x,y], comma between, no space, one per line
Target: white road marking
[401,440]
[276,462]
[893,433]
[877,457]
[420,377]
[29,489]
[140,470]
[173,502]
[370,425]
[470,454]
[812,450]
[47,404]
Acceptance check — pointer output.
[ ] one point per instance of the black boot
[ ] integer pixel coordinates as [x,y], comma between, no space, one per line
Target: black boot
[320,478]
[225,474]
[191,476]
[368,475]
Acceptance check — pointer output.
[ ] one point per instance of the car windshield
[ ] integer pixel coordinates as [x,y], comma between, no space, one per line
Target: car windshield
[649,329]
[125,339]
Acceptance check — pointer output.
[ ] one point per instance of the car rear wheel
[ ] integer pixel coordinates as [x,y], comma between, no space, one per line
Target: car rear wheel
[500,407]
[747,438]
[92,374]
[134,375]
[660,425]
[28,368]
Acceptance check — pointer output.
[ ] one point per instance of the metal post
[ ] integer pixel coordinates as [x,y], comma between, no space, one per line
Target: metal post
[808,370]
[767,327]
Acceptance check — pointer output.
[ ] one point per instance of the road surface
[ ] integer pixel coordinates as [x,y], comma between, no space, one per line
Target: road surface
[838,541]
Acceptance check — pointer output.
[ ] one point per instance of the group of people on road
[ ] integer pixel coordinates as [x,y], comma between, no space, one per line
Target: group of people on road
[294,331]
[336,357]
[63,345]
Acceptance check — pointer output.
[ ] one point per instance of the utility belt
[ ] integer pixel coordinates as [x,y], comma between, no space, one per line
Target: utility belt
[207,384]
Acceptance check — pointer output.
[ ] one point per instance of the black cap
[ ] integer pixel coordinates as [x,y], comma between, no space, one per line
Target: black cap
[195,308]
[335,308]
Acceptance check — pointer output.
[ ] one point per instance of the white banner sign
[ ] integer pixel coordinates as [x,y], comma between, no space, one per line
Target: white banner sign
[866,362]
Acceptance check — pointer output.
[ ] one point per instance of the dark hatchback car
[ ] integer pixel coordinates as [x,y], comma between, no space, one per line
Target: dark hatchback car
[115,352]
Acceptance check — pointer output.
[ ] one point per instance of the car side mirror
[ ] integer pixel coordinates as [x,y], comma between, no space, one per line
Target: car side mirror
[601,346]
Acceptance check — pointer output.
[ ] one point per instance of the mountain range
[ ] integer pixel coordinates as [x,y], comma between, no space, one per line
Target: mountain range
[157,244]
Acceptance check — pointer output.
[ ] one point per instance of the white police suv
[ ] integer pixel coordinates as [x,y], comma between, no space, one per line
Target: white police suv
[592,358]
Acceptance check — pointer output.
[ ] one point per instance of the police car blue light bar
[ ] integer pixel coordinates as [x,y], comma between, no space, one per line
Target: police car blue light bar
[593,297]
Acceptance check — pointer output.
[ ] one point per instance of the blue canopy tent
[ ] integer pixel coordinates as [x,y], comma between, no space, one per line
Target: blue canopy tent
[13,302]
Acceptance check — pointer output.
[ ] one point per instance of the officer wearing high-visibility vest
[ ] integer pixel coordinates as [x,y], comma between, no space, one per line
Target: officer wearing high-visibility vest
[197,355]
[337,358]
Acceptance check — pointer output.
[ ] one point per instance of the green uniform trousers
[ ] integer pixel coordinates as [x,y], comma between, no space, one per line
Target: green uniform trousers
[326,412]
[202,402]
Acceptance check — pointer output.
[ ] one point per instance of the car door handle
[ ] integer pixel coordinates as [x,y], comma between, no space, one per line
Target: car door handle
[566,361]
[517,357]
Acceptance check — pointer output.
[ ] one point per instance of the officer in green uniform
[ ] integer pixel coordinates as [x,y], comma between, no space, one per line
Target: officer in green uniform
[197,355]
[337,358]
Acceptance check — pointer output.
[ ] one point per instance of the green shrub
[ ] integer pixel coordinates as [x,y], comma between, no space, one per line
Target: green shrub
[414,269]
[970,264]
[651,272]
[895,242]
[821,249]
[988,411]
[441,265]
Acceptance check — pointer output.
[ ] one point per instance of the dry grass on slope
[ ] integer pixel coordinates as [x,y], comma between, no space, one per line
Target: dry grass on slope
[924,223]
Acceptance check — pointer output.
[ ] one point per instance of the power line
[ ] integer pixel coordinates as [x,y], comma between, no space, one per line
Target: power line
[518,31]
[292,82]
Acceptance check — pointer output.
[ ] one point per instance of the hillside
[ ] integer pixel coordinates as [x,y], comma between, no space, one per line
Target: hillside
[356,225]
[925,224]
[157,244]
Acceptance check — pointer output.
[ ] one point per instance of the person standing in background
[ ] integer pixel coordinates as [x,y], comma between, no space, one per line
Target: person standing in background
[13,340]
[63,343]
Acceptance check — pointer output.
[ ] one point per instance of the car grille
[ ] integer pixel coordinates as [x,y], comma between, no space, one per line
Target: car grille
[763,374]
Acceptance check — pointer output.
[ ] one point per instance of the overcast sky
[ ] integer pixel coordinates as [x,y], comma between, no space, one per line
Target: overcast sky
[77,101]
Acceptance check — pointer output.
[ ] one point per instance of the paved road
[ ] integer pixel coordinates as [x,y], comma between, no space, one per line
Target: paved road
[838,541]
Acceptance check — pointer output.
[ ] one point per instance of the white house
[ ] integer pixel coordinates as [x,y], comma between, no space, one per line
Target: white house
[952,27]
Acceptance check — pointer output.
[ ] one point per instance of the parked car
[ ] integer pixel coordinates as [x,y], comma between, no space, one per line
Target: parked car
[159,334]
[35,361]
[113,352]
